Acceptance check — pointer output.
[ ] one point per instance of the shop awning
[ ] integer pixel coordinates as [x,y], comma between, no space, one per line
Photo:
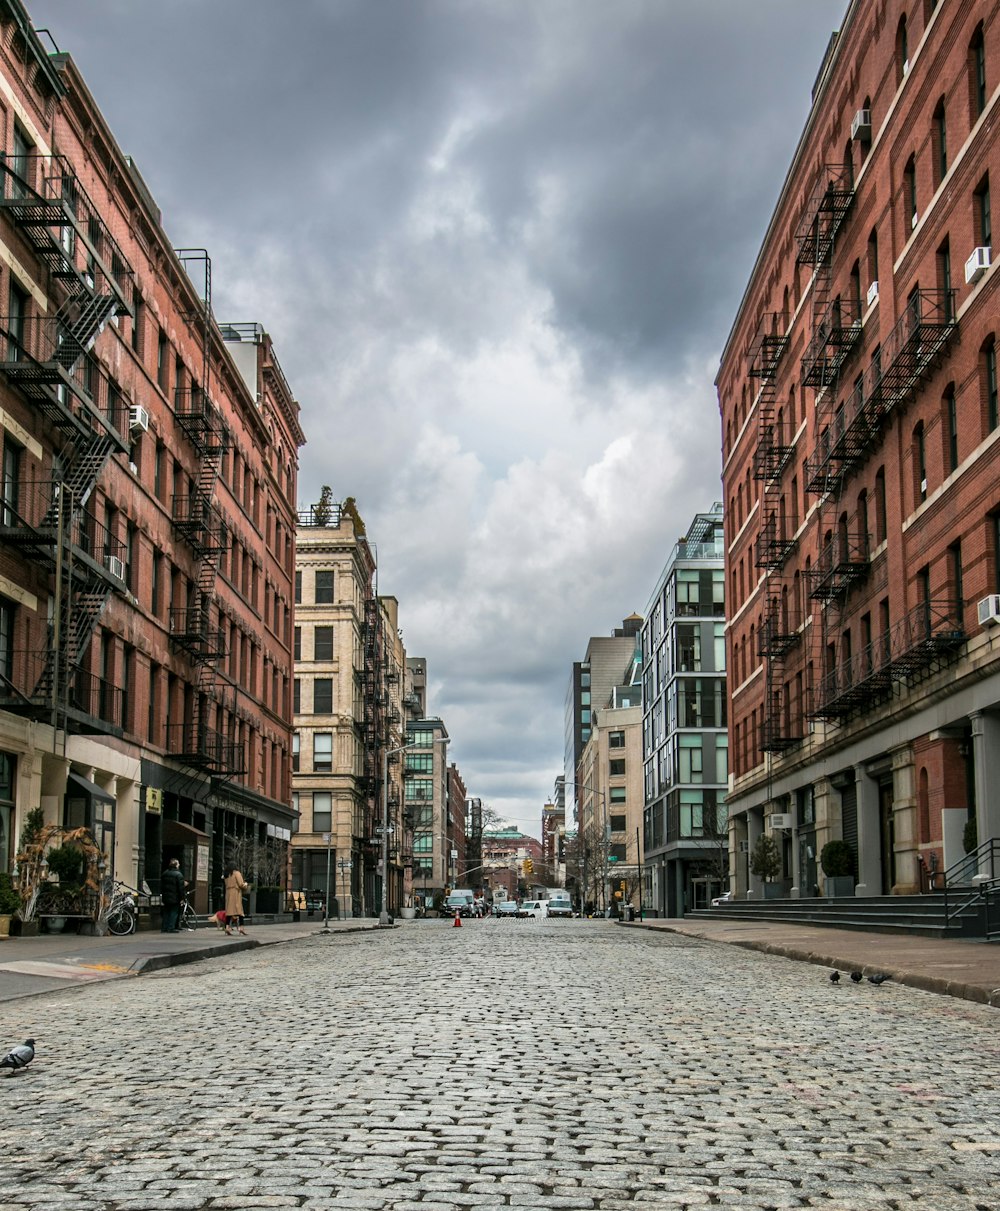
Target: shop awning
[76,785]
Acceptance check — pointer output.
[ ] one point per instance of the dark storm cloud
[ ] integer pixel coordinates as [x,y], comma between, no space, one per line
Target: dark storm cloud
[499,245]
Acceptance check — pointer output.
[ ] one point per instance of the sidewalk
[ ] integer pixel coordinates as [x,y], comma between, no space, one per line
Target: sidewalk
[29,966]
[970,970]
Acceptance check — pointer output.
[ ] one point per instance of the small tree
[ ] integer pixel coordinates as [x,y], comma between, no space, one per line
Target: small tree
[837,859]
[765,861]
[323,511]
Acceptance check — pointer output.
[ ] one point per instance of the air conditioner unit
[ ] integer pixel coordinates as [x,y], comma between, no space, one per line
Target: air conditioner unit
[872,293]
[138,418]
[976,265]
[780,820]
[989,610]
[861,124]
[115,566]
[744,847]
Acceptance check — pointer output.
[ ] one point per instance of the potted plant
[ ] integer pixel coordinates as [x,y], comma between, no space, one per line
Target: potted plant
[765,864]
[10,903]
[837,860]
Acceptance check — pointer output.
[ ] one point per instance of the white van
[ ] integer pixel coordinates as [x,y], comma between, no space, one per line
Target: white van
[533,908]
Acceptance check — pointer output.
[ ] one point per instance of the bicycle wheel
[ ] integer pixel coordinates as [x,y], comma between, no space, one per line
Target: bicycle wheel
[189,918]
[121,922]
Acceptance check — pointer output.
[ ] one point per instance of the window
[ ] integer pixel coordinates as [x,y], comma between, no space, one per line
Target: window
[323,752]
[955,575]
[323,643]
[617,824]
[617,794]
[989,368]
[983,213]
[323,696]
[920,463]
[977,72]
[910,195]
[297,649]
[162,360]
[10,487]
[951,426]
[940,144]
[616,768]
[297,696]
[616,739]
[8,617]
[944,279]
[689,759]
[322,811]
[902,50]
[298,588]
[880,506]
[296,745]
[419,763]
[18,315]
[324,588]
[20,163]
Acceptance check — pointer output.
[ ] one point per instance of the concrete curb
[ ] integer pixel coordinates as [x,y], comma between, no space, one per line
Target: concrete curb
[978,993]
[181,958]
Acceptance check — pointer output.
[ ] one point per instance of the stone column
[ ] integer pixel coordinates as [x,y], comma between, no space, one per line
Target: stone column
[755,826]
[869,837]
[986,774]
[904,819]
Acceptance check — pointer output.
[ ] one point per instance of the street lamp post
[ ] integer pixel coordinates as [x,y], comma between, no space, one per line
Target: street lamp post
[328,837]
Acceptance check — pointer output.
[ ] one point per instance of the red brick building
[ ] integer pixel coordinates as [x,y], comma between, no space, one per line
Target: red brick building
[861,445]
[147,539]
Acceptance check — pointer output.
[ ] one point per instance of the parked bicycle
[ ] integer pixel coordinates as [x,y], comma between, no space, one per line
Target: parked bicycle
[123,911]
[188,918]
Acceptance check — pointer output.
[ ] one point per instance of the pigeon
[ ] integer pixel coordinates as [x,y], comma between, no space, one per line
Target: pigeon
[878,979]
[834,977]
[19,1057]
[856,977]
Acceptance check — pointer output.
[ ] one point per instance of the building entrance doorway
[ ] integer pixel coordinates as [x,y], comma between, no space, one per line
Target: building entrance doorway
[887,837]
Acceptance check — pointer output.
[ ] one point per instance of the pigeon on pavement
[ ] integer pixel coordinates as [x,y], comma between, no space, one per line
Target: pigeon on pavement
[856,977]
[878,979]
[834,977]
[19,1057]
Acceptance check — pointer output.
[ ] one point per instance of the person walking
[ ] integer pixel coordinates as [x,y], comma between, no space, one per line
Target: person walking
[172,888]
[235,885]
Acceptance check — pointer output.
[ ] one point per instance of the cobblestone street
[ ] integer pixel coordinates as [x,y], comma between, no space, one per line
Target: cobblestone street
[506,1064]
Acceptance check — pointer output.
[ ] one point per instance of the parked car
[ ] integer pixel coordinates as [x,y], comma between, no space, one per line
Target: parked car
[559,908]
[533,908]
[461,903]
[723,899]
[506,908]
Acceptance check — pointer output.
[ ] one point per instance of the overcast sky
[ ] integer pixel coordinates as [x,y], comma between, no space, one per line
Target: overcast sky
[499,245]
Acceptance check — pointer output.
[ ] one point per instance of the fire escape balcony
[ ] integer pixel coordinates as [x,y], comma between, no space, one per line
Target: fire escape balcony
[90,705]
[780,733]
[191,630]
[29,521]
[925,639]
[825,210]
[771,454]
[768,343]
[775,635]
[200,420]
[842,562]
[774,545]
[43,197]
[836,335]
[200,522]
[206,749]
[77,397]
[919,337]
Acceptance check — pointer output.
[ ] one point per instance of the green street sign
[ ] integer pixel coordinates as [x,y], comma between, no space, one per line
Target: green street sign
[612,858]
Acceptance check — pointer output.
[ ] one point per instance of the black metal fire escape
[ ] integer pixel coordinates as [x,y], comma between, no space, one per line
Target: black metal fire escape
[196,627]
[48,359]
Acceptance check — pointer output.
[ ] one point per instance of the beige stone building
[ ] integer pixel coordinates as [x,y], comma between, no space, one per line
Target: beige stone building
[348,689]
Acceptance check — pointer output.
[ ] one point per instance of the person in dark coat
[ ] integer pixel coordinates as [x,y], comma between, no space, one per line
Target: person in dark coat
[172,889]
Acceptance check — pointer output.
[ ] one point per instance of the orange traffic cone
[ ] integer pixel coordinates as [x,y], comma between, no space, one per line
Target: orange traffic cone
[458,922]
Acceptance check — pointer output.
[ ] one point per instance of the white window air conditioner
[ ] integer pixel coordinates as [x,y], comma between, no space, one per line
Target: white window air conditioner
[872,293]
[115,566]
[976,265]
[780,820]
[989,610]
[861,124]
[138,418]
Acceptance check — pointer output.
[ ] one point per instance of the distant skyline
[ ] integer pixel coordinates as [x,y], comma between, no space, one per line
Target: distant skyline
[499,247]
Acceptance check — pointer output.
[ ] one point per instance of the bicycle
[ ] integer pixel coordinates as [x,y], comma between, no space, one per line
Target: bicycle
[188,918]
[122,911]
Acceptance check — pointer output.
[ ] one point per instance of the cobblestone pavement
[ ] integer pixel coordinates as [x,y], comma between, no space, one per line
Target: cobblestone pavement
[537,1064]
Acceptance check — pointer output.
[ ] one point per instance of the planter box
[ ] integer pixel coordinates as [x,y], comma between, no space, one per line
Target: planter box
[838,885]
[268,900]
[774,891]
[23,929]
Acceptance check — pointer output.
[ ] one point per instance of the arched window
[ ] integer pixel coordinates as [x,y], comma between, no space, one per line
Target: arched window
[940,141]
[909,199]
[977,73]
[902,49]
[919,464]
[988,377]
[949,423]
[881,521]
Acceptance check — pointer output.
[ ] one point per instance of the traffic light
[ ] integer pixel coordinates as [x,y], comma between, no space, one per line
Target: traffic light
[618,895]
[529,866]
[622,885]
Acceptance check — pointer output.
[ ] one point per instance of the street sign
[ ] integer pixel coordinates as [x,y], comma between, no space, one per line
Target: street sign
[343,865]
[612,858]
[382,831]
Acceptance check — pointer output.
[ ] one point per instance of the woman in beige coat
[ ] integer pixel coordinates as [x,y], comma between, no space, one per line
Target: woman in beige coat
[236,885]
